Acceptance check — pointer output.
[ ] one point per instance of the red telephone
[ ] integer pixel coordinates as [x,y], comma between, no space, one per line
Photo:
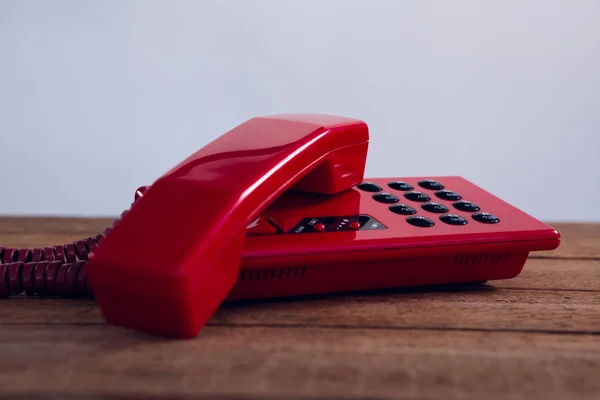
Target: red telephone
[278,207]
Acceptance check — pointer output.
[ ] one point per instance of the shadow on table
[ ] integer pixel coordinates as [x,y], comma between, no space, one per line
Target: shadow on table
[461,288]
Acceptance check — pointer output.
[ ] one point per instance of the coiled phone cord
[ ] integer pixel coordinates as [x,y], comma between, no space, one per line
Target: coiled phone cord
[56,271]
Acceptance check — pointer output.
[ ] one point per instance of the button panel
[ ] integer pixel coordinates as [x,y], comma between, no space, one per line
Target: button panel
[419,218]
[361,222]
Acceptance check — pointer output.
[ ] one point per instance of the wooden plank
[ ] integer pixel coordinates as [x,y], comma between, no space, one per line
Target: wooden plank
[466,307]
[40,232]
[533,336]
[32,240]
[17,225]
[578,240]
[556,274]
[278,362]
[480,309]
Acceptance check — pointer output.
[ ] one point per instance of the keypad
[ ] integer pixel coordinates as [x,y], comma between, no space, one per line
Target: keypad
[418,216]
[420,221]
[399,185]
[431,184]
[486,218]
[446,194]
[417,196]
[385,198]
[403,209]
[369,187]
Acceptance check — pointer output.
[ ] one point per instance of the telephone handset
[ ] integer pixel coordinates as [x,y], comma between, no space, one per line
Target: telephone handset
[178,249]
[276,207]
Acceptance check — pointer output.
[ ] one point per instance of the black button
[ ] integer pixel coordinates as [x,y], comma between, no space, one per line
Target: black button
[417,196]
[447,195]
[431,184]
[420,221]
[464,205]
[402,209]
[385,198]
[369,187]
[486,218]
[453,219]
[435,208]
[398,185]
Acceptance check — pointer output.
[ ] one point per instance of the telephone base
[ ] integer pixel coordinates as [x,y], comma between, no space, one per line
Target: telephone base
[278,207]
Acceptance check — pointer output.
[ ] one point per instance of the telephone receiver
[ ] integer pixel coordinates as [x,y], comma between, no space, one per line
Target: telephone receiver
[172,259]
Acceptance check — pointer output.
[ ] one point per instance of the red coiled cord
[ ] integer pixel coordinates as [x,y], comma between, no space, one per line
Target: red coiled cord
[58,271]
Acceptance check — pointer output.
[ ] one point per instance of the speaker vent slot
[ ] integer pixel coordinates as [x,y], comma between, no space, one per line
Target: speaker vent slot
[272,274]
[480,259]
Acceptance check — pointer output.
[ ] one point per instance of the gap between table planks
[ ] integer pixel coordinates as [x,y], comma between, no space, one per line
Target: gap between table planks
[535,336]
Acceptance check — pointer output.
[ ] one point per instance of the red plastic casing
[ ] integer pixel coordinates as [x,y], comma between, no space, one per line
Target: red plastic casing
[178,250]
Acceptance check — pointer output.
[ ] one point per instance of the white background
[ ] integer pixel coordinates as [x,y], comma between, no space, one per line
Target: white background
[100,97]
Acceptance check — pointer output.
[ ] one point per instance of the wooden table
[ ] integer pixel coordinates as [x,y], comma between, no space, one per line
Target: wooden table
[536,336]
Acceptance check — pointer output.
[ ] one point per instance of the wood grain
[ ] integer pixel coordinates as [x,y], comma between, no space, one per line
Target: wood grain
[553,290]
[557,275]
[457,308]
[267,362]
[535,336]
[579,241]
